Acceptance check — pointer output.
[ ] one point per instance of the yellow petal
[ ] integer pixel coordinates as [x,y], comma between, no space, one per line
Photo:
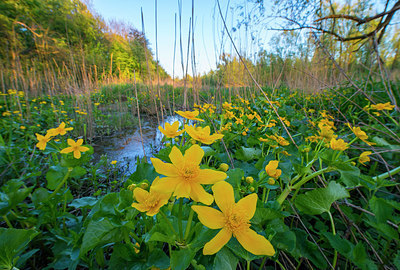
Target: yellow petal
[209,217]
[198,194]
[83,148]
[166,169]
[255,243]
[71,142]
[176,156]
[77,154]
[140,207]
[194,154]
[182,190]
[249,203]
[209,177]
[140,194]
[217,242]
[223,194]
[166,184]
[67,150]
[79,142]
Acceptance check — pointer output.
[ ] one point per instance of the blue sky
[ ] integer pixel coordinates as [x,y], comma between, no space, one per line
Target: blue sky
[208,28]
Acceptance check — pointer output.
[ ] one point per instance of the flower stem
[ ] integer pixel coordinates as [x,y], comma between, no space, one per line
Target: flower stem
[289,188]
[248,265]
[387,174]
[168,222]
[7,221]
[262,263]
[189,224]
[334,233]
[61,184]
[180,219]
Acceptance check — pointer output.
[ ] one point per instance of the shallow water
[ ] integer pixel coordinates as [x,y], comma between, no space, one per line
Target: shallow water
[126,146]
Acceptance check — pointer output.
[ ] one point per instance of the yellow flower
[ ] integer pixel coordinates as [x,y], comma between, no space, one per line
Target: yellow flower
[61,129]
[364,157]
[360,134]
[190,115]
[239,121]
[43,140]
[113,162]
[227,106]
[382,106]
[22,127]
[202,134]
[272,169]
[234,220]
[6,113]
[150,202]
[250,116]
[171,131]
[339,144]
[184,176]
[75,147]
[326,133]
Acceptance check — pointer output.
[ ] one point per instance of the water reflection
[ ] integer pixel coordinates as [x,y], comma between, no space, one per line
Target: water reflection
[125,146]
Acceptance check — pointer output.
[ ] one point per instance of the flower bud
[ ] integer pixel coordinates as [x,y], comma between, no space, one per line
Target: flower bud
[271,181]
[252,189]
[223,167]
[249,179]
[167,144]
[132,187]
[144,185]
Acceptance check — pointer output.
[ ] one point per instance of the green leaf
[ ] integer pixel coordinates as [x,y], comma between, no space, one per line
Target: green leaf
[225,259]
[12,243]
[78,172]
[350,175]
[319,200]
[246,154]
[308,249]
[102,232]
[84,202]
[55,175]
[381,208]
[208,151]
[180,259]
[158,259]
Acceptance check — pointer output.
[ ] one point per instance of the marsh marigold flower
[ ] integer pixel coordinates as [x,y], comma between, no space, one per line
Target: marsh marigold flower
[150,202]
[272,169]
[171,131]
[43,140]
[60,130]
[339,145]
[360,134]
[382,106]
[364,157]
[190,115]
[234,220]
[184,176]
[202,134]
[75,147]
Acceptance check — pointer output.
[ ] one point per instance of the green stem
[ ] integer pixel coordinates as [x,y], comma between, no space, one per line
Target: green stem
[281,265]
[61,184]
[334,233]
[137,239]
[7,221]
[189,224]
[168,222]
[248,265]
[387,174]
[262,263]
[266,198]
[289,188]
[263,194]
[180,219]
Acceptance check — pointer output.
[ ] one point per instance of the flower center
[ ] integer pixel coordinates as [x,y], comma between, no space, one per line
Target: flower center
[235,219]
[151,201]
[189,171]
